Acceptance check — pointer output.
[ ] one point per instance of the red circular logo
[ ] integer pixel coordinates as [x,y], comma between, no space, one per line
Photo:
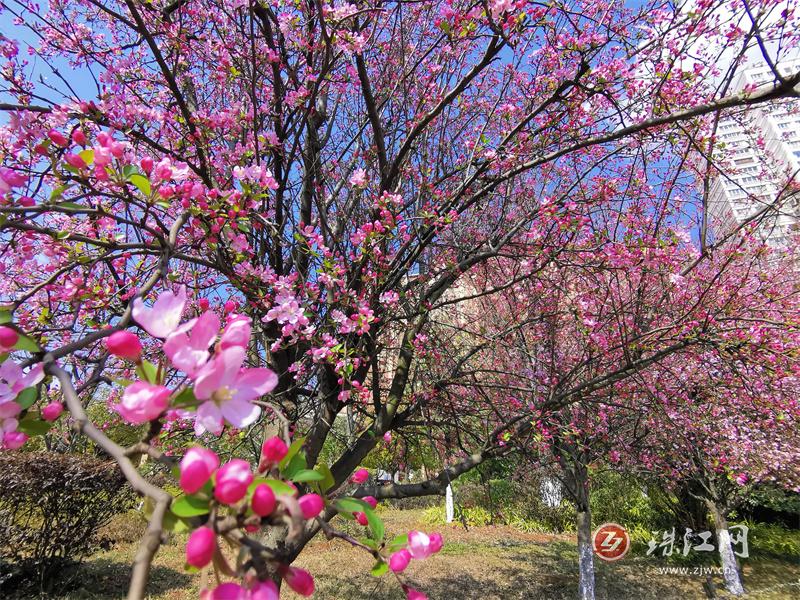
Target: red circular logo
[611,542]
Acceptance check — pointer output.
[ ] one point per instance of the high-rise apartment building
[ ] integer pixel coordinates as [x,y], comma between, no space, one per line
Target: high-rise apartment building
[762,158]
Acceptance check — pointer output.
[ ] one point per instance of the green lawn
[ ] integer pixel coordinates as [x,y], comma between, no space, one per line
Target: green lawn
[483,562]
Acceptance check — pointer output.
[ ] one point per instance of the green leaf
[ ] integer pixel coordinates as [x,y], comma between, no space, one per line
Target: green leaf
[58,192]
[128,171]
[295,466]
[173,523]
[189,506]
[27,397]
[351,505]
[72,205]
[307,475]
[327,481]
[87,156]
[33,426]
[142,183]
[27,344]
[147,371]
[293,449]
[375,524]
[5,316]
[380,568]
[186,398]
[279,487]
[397,543]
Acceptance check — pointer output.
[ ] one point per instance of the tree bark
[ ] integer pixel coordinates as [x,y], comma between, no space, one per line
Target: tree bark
[449,511]
[585,554]
[730,568]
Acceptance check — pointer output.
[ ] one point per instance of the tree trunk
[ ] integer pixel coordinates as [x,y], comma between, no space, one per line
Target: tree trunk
[585,554]
[730,569]
[449,511]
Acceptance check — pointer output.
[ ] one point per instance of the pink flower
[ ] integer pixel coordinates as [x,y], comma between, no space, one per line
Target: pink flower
[52,411]
[399,561]
[14,439]
[370,500]
[8,337]
[79,137]
[272,452]
[124,344]
[229,591]
[10,179]
[58,138]
[187,346]
[197,466]
[311,505]
[200,547]
[263,502]
[143,402]
[228,391]
[741,478]
[361,518]
[74,160]
[358,178]
[436,542]
[387,437]
[419,545]
[233,479]
[412,594]
[360,476]
[163,317]
[237,333]
[264,590]
[13,380]
[299,580]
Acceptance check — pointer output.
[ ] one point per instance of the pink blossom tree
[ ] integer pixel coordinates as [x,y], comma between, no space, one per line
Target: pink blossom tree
[246,215]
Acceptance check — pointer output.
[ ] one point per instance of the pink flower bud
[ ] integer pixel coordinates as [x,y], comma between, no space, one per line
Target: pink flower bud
[419,545]
[14,439]
[412,594]
[197,466]
[58,138]
[229,591]
[74,160]
[124,344]
[436,542]
[361,518]
[8,337]
[272,452]
[147,164]
[371,501]
[233,479]
[203,304]
[79,137]
[311,505]
[387,437]
[264,590]
[200,547]
[143,402]
[360,476]
[230,306]
[52,411]
[299,580]
[399,561]
[263,502]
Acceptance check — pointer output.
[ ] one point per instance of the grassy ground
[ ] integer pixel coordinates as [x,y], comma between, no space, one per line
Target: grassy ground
[484,562]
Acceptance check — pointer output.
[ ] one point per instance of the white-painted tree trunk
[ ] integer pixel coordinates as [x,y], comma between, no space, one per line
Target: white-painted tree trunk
[585,555]
[730,570]
[449,509]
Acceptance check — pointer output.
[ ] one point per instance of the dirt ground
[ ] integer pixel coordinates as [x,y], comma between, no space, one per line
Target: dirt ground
[483,562]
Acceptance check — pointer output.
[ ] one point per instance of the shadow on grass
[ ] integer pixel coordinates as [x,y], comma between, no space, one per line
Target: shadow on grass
[102,579]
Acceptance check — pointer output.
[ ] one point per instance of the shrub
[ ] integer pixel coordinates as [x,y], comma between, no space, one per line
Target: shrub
[51,509]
